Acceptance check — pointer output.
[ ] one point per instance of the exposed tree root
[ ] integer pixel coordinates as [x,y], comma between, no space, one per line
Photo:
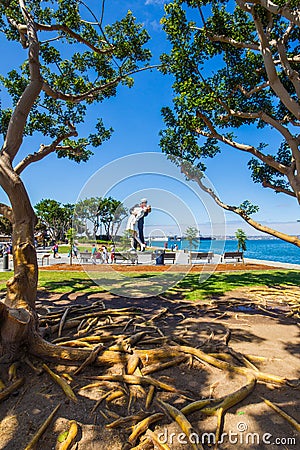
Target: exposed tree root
[5,393]
[283,414]
[105,341]
[32,444]
[182,421]
[72,433]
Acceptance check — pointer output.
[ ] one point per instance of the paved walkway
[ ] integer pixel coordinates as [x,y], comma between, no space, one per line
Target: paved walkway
[144,258]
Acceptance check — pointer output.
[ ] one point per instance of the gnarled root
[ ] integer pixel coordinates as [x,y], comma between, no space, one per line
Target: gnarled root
[43,349]
[14,329]
[17,331]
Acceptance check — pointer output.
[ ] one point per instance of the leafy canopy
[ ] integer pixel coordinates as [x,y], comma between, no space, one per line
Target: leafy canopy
[82,61]
[56,218]
[235,64]
[101,210]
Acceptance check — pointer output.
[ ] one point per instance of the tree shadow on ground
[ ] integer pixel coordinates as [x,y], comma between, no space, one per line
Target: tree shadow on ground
[219,283]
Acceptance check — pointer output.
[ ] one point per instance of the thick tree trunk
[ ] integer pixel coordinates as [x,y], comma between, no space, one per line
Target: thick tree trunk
[18,320]
[22,287]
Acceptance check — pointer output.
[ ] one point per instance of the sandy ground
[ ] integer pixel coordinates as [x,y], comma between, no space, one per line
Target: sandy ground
[249,321]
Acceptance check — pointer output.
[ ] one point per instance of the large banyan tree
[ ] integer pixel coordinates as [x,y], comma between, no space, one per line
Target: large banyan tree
[236,63]
[70,60]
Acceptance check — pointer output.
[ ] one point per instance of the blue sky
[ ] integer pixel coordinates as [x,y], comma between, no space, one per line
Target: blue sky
[135,115]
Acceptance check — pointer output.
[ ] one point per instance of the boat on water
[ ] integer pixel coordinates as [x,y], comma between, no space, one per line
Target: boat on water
[199,238]
[158,239]
[207,238]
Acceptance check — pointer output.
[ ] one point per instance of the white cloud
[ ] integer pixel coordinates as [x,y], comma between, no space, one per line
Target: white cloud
[155,25]
[155,2]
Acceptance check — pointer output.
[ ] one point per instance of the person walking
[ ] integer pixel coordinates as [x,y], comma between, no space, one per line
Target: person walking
[93,253]
[112,254]
[55,250]
[104,255]
[75,251]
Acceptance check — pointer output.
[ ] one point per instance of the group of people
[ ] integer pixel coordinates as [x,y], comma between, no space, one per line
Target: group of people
[102,255]
[6,249]
[135,224]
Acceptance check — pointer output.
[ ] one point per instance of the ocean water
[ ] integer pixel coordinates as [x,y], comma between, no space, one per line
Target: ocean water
[268,249]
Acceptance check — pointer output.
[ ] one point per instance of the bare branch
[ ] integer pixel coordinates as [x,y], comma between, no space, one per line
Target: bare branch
[102,12]
[291,59]
[44,150]
[269,26]
[6,211]
[57,38]
[244,5]
[261,115]
[268,159]
[237,210]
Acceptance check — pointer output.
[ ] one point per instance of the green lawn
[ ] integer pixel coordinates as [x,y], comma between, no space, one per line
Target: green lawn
[81,248]
[219,283]
[190,288]
[60,282]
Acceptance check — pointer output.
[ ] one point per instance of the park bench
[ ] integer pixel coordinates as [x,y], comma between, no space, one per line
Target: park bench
[85,257]
[199,256]
[232,255]
[168,256]
[44,257]
[126,257]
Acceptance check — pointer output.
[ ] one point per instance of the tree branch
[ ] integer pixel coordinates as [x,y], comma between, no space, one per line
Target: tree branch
[191,175]
[44,150]
[292,121]
[292,74]
[14,136]
[92,92]
[291,140]
[268,159]
[233,42]
[270,67]
[266,184]
[285,11]
[76,36]
[22,29]
[255,90]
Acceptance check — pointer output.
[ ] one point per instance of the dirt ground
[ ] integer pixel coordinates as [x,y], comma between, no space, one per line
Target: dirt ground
[259,324]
